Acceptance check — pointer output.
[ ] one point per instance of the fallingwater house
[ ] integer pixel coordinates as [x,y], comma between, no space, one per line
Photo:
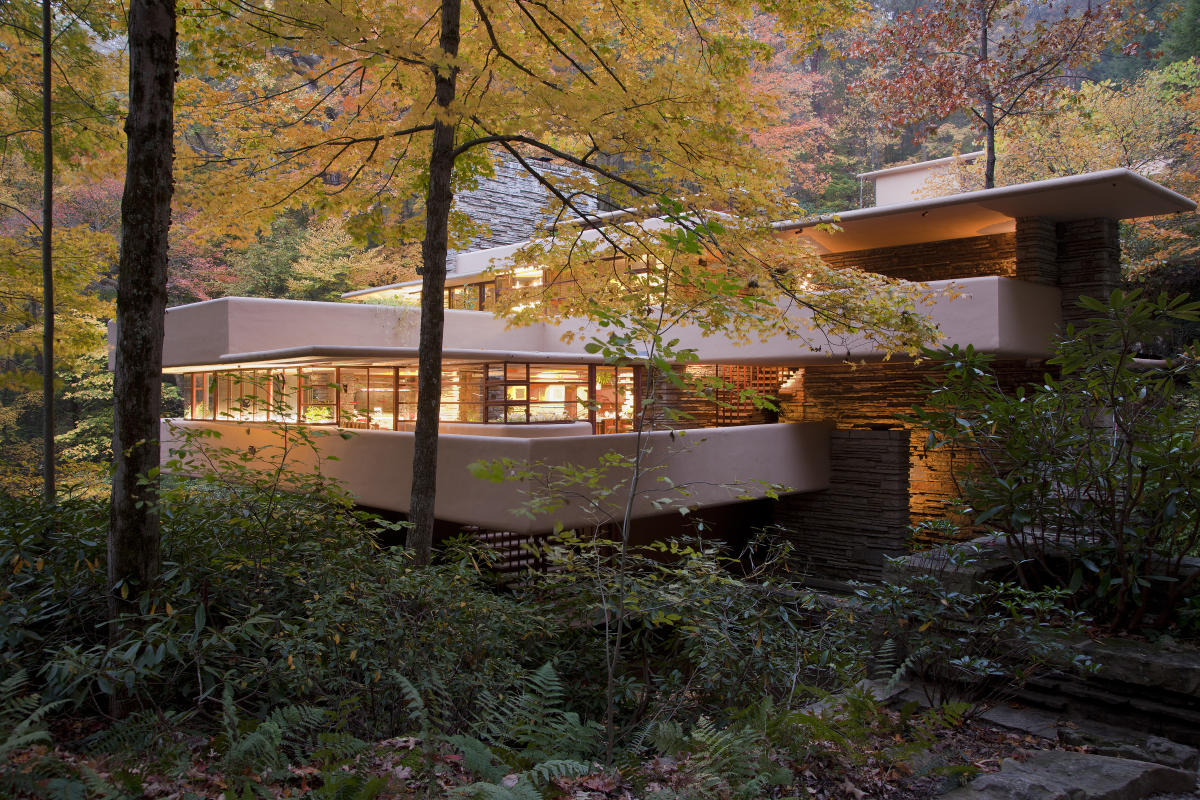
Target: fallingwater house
[1019,257]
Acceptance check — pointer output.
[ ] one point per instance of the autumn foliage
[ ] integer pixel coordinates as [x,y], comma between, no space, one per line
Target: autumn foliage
[993,59]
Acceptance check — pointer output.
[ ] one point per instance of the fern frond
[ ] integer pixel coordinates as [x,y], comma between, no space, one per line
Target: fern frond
[335,747]
[903,668]
[22,716]
[478,758]
[521,790]
[531,723]
[548,771]
[668,738]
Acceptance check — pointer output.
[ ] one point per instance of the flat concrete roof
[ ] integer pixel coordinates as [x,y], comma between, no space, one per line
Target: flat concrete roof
[896,170]
[1113,193]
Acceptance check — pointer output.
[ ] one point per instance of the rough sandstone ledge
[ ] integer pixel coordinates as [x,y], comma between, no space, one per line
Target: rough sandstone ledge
[1066,775]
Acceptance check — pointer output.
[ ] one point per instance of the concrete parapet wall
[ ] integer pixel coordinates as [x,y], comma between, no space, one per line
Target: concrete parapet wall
[716,466]
[995,314]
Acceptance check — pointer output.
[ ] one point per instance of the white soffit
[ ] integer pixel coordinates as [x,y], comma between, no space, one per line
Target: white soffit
[1115,193]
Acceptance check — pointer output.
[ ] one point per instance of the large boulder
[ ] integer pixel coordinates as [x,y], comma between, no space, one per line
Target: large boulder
[1066,775]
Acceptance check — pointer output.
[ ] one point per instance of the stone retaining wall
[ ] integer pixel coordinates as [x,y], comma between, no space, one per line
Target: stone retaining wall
[844,532]
[975,257]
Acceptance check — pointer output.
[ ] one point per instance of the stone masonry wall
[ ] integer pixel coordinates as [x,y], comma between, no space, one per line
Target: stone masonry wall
[936,261]
[1089,263]
[682,408]
[1081,258]
[862,510]
[1037,250]
[878,395]
[844,532]
[884,476]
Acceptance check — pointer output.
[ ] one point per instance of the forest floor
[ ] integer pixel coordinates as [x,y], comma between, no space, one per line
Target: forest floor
[881,767]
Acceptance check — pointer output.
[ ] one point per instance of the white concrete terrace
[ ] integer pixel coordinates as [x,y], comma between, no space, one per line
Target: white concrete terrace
[1003,316]
[714,466]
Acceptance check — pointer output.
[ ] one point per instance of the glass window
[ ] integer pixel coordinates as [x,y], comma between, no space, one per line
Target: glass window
[353,384]
[196,394]
[462,393]
[285,389]
[558,392]
[185,388]
[615,401]
[507,391]
[406,398]
[385,398]
[487,296]
[318,398]
[381,397]
[226,408]
[260,389]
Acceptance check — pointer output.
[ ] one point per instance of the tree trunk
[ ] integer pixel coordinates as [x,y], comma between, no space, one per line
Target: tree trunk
[989,170]
[433,283]
[989,107]
[48,492]
[133,534]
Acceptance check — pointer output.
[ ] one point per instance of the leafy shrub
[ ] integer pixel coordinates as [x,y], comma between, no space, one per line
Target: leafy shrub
[283,596]
[696,639]
[976,647]
[1094,474]
[52,593]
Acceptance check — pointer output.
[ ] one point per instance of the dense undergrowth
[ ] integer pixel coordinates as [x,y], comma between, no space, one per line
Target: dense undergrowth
[286,653]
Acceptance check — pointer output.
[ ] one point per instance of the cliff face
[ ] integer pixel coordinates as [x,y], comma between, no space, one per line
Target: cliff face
[512,204]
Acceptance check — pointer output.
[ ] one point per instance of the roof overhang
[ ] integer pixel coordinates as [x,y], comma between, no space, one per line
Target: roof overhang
[964,158]
[334,355]
[1114,193]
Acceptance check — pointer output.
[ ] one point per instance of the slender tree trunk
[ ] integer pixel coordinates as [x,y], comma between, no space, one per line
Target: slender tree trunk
[48,492]
[133,534]
[989,108]
[989,122]
[433,283]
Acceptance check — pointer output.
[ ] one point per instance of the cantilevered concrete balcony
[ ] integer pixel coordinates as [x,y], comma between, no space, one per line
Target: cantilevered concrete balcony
[714,467]
[1005,316]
